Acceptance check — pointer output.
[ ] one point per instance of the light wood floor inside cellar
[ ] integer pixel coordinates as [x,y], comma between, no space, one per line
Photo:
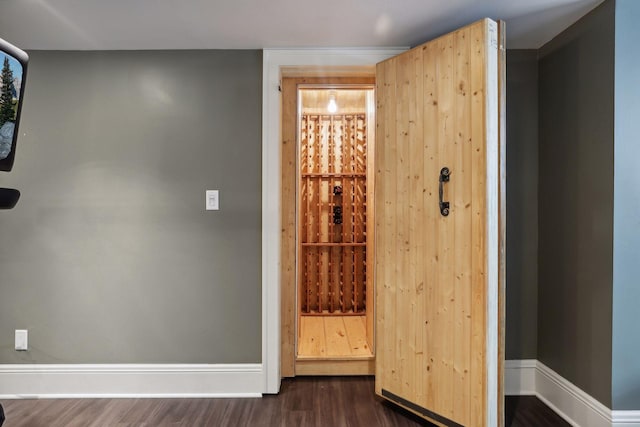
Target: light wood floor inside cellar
[333,337]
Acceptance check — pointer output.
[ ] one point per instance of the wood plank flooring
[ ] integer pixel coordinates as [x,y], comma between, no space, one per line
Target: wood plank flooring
[302,402]
[528,411]
[333,337]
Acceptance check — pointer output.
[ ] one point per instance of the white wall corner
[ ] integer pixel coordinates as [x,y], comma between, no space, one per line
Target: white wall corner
[131,381]
[520,377]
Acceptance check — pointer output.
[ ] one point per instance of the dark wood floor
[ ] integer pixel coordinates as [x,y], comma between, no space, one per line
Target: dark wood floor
[305,401]
[525,411]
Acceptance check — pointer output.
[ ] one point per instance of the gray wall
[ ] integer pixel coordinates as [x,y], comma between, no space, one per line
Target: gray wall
[576,80]
[626,265]
[110,257]
[522,204]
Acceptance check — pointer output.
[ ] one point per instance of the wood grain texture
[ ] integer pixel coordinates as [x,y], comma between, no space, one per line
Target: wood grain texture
[336,337]
[461,199]
[348,100]
[478,203]
[312,341]
[302,402]
[335,366]
[332,154]
[430,269]
[385,187]
[356,328]
[290,308]
[333,337]
[369,296]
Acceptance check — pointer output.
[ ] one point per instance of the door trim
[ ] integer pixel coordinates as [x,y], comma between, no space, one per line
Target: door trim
[273,62]
[290,223]
[494,221]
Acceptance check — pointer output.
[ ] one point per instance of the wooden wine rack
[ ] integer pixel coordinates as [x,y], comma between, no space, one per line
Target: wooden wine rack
[332,221]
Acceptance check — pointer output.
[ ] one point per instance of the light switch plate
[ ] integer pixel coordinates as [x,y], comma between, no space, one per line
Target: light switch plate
[212,202]
[22,339]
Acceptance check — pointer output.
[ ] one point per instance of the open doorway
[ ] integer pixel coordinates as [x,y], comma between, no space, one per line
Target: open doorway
[335,125]
[327,245]
[416,91]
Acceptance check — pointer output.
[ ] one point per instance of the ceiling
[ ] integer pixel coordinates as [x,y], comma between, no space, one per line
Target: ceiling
[257,24]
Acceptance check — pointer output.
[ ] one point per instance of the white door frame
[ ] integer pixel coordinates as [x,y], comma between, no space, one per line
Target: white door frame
[273,62]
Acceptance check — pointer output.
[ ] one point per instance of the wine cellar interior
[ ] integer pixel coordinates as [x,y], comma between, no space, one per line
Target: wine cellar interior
[334,129]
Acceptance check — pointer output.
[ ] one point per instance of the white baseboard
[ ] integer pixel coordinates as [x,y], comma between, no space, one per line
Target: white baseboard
[531,377]
[573,404]
[130,381]
[626,418]
[520,377]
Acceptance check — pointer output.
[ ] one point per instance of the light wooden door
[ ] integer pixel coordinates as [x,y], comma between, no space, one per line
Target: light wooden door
[439,278]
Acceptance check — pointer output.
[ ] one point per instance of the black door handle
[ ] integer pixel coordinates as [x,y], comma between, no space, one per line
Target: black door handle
[445,173]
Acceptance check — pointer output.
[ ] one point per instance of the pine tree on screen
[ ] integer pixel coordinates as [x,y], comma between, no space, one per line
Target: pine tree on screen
[6,96]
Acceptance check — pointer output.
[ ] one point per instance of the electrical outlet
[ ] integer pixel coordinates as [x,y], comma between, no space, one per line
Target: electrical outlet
[22,339]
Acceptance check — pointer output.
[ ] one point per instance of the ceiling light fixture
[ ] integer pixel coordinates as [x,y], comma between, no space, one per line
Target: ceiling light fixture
[332,107]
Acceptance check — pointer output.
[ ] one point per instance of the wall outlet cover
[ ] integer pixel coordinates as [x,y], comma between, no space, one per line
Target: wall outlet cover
[22,339]
[212,200]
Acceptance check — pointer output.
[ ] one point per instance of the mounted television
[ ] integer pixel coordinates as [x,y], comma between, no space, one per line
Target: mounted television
[13,66]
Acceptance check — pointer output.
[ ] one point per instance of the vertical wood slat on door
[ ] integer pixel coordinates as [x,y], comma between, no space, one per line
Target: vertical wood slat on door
[461,186]
[416,214]
[478,225]
[446,226]
[403,303]
[431,216]
[430,269]
[385,187]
